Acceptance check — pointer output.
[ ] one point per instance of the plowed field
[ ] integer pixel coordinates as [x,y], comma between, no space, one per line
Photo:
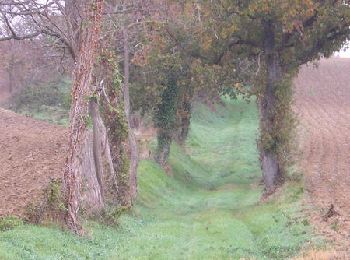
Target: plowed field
[323,107]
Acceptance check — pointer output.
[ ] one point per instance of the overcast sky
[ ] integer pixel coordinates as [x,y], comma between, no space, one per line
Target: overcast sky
[344,53]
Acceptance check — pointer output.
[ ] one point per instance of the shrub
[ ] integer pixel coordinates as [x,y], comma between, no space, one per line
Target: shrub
[10,222]
[55,94]
[110,215]
[52,209]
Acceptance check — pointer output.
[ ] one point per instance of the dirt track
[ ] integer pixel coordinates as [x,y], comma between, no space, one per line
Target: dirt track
[323,105]
[31,152]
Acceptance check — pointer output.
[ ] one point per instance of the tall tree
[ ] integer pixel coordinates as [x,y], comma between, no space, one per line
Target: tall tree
[104,156]
[79,115]
[171,63]
[280,36]
[167,78]
[119,186]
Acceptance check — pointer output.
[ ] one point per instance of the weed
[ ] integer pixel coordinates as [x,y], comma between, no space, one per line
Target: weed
[110,216]
[10,222]
[335,226]
[50,209]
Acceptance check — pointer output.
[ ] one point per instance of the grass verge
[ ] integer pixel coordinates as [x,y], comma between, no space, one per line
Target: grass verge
[208,208]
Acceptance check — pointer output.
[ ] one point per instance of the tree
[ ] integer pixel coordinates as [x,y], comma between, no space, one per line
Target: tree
[174,72]
[167,77]
[79,115]
[124,27]
[280,36]
[119,186]
[165,117]
[184,113]
[102,162]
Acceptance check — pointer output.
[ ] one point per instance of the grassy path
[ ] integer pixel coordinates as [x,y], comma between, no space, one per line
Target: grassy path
[207,209]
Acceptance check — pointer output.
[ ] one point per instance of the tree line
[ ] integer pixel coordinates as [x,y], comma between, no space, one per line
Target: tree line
[157,57]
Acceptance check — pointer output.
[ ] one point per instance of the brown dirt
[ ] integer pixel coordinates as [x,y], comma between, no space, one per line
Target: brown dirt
[323,106]
[31,153]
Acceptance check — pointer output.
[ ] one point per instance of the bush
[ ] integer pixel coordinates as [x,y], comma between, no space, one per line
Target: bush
[110,215]
[10,222]
[55,94]
[50,210]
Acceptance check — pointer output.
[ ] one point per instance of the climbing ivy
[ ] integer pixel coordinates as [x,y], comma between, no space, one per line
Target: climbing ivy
[279,137]
[114,117]
[165,116]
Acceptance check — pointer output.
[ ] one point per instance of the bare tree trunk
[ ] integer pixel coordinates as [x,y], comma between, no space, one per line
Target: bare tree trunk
[79,114]
[131,135]
[271,167]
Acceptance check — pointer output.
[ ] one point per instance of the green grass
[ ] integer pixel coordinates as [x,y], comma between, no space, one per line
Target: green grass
[208,208]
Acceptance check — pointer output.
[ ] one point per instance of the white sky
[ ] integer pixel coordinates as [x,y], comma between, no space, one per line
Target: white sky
[345,53]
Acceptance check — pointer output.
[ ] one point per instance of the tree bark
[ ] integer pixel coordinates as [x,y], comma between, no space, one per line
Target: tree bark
[97,144]
[79,114]
[271,168]
[117,186]
[73,10]
[131,135]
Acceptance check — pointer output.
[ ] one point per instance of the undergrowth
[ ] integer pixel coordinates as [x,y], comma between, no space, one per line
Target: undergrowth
[48,102]
[10,222]
[208,207]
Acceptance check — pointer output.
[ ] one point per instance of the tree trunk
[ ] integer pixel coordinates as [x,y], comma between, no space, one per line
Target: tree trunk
[131,135]
[163,148]
[165,118]
[270,164]
[97,144]
[73,10]
[117,186]
[79,114]
[184,114]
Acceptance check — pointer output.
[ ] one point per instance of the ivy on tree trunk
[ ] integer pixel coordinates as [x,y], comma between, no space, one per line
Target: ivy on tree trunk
[165,118]
[79,114]
[119,188]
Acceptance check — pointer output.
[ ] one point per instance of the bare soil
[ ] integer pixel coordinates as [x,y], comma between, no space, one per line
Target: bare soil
[323,105]
[31,154]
